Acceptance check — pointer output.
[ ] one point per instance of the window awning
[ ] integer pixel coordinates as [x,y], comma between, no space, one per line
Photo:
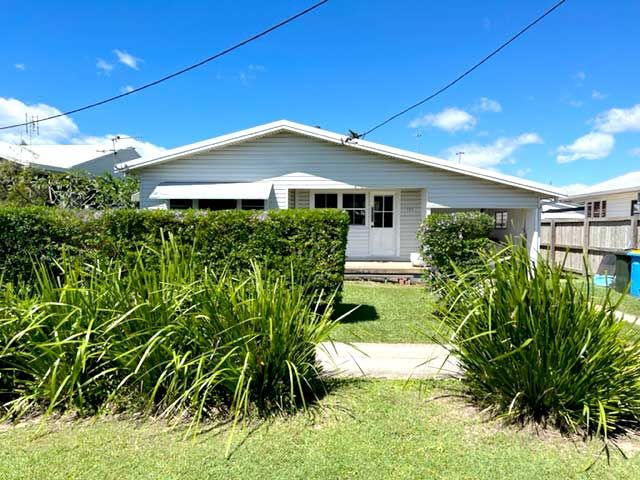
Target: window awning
[213,191]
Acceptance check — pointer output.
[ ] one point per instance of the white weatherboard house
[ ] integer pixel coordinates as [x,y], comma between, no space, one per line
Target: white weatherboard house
[614,198]
[386,191]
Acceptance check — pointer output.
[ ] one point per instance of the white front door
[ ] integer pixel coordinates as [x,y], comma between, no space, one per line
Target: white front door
[383,225]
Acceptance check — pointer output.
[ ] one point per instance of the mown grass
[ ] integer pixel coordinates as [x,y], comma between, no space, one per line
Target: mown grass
[372,430]
[387,313]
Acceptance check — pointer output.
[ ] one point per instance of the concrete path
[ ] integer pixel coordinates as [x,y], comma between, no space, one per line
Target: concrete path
[386,360]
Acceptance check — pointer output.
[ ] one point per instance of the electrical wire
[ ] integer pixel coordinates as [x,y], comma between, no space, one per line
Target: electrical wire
[460,77]
[179,72]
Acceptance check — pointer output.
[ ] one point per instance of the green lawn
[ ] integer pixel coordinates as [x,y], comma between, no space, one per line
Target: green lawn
[369,430]
[387,313]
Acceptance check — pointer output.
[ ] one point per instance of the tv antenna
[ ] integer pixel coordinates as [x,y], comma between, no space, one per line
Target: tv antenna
[114,143]
[460,154]
[31,127]
[418,136]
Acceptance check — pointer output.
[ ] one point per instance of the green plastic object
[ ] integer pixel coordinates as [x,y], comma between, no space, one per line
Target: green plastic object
[623,271]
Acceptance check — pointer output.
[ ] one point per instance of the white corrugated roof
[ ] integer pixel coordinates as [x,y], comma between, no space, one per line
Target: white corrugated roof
[298,128]
[629,182]
[215,191]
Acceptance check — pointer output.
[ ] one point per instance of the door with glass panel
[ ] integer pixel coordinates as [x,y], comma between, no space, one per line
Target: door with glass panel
[382,232]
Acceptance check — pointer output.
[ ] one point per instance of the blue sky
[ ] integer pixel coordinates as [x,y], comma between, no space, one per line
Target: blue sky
[560,105]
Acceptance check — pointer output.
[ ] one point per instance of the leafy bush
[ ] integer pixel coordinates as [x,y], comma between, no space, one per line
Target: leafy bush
[454,238]
[31,186]
[534,345]
[312,243]
[171,341]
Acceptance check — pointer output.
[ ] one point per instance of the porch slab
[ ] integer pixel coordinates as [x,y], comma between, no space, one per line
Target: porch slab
[381,268]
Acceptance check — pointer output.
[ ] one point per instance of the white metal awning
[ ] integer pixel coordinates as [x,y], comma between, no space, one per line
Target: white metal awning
[213,191]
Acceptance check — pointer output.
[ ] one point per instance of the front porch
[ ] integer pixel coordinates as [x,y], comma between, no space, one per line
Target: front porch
[383,271]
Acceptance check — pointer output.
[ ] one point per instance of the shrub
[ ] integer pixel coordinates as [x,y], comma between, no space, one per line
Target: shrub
[454,238]
[312,243]
[176,340]
[31,186]
[534,345]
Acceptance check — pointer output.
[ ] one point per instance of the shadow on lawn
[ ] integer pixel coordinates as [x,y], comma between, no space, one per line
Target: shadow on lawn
[363,313]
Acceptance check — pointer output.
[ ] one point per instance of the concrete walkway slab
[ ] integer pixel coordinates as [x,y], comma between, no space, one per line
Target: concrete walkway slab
[387,360]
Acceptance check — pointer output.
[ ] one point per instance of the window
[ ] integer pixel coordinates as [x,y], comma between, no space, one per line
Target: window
[635,209]
[383,211]
[252,204]
[180,204]
[501,220]
[597,209]
[326,200]
[218,204]
[355,205]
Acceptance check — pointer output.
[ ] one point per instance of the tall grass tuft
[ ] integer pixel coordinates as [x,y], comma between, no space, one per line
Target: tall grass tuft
[158,336]
[534,346]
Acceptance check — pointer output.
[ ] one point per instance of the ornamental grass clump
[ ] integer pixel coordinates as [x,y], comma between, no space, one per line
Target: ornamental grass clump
[533,345]
[159,336]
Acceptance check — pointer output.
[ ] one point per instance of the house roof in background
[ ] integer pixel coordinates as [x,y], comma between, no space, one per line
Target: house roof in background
[359,144]
[629,182]
[53,156]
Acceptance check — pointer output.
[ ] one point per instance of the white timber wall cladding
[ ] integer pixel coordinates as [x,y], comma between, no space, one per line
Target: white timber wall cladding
[410,219]
[297,162]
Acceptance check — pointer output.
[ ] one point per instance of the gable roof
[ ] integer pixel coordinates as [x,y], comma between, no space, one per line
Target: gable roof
[629,182]
[332,137]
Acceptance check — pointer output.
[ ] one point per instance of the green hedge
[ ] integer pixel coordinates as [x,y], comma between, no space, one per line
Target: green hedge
[454,238]
[312,242]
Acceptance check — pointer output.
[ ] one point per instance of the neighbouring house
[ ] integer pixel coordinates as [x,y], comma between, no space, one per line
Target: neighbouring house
[552,210]
[385,191]
[58,158]
[614,198]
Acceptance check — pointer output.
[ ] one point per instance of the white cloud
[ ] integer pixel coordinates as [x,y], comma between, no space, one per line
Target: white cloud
[127,59]
[126,89]
[575,103]
[13,111]
[143,148]
[618,120]
[523,172]
[20,66]
[257,68]
[449,119]
[492,154]
[580,77]
[592,146]
[62,130]
[635,152]
[597,95]
[488,105]
[104,66]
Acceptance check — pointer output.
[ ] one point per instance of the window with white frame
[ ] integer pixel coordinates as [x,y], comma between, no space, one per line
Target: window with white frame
[501,220]
[597,209]
[355,204]
[635,208]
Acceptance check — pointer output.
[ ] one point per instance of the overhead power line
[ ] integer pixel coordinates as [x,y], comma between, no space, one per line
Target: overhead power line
[354,135]
[179,72]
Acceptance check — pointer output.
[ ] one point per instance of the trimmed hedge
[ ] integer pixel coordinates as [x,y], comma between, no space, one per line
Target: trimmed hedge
[311,244]
[448,239]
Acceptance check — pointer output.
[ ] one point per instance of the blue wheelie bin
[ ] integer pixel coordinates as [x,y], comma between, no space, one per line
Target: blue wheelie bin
[634,289]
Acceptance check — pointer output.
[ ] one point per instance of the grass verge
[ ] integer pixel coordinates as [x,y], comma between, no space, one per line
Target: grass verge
[373,430]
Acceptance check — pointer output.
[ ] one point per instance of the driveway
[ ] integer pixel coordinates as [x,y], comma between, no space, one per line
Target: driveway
[387,360]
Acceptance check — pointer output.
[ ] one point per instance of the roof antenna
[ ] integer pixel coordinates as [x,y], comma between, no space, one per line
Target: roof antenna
[353,136]
[460,154]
